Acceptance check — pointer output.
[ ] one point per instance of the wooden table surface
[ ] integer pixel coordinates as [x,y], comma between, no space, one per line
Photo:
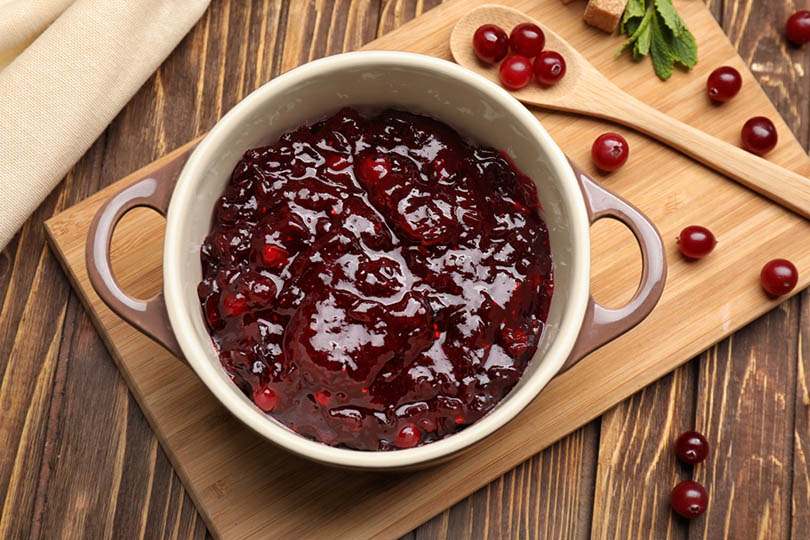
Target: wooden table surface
[78,459]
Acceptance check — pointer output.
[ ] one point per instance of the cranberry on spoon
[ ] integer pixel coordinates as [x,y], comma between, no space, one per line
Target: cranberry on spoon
[549,67]
[490,43]
[527,39]
[516,72]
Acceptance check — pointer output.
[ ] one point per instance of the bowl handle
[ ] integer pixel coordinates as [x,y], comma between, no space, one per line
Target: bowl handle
[153,190]
[601,324]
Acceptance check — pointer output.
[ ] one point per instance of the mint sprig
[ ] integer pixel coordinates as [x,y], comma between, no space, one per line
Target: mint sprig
[654,27]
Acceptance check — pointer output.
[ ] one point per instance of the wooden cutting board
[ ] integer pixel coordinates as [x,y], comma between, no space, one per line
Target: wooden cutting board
[247,488]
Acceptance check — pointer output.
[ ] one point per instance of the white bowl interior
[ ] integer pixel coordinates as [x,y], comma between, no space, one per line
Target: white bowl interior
[473,106]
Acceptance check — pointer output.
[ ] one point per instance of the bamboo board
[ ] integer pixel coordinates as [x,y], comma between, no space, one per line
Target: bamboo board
[245,487]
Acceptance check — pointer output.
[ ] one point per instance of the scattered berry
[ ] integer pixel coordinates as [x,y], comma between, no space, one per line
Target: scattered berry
[490,43]
[798,27]
[610,151]
[689,499]
[696,242]
[759,135]
[516,72]
[691,447]
[527,39]
[549,67]
[779,277]
[408,437]
[723,84]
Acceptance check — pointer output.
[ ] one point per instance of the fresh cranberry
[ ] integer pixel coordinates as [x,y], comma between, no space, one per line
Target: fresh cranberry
[689,499]
[339,289]
[610,151]
[490,43]
[723,84]
[549,68]
[516,72]
[696,242]
[527,39]
[265,398]
[798,27]
[779,277]
[691,447]
[408,437]
[759,135]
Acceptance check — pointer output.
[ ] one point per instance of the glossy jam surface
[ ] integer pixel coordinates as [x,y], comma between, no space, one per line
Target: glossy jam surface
[376,282]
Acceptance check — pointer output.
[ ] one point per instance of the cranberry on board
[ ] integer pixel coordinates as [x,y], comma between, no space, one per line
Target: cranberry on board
[527,39]
[798,27]
[689,499]
[490,43]
[759,135]
[516,72]
[610,151]
[549,67]
[691,447]
[779,277]
[365,226]
[696,242]
[723,84]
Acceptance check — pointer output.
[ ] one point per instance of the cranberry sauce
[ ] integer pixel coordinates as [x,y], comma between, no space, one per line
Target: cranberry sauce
[376,282]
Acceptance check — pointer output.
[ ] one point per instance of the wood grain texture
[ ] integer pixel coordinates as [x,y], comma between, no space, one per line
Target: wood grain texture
[42,446]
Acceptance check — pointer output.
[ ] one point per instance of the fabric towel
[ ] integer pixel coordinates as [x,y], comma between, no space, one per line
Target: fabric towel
[67,67]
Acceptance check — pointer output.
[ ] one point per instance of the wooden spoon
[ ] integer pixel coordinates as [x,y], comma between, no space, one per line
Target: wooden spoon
[586,91]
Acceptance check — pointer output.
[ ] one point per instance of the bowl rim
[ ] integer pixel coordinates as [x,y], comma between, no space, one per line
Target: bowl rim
[198,354]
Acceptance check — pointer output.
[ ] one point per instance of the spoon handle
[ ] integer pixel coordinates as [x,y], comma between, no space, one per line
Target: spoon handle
[781,185]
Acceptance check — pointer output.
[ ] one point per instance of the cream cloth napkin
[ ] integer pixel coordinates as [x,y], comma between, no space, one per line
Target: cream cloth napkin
[72,65]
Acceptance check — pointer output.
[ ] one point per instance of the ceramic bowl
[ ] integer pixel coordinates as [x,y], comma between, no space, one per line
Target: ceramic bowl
[186,188]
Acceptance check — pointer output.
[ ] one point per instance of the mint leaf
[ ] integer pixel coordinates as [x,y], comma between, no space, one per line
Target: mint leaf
[642,46]
[635,9]
[643,27]
[654,27]
[662,56]
[669,15]
[685,49]
[631,27]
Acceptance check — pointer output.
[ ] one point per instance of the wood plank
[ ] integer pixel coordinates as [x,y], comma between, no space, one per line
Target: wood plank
[548,496]
[745,408]
[800,465]
[31,321]
[546,425]
[637,465]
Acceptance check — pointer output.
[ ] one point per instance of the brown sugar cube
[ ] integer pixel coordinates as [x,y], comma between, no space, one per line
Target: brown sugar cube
[604,14]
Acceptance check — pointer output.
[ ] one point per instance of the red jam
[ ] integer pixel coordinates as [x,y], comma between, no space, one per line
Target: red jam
[376,282]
